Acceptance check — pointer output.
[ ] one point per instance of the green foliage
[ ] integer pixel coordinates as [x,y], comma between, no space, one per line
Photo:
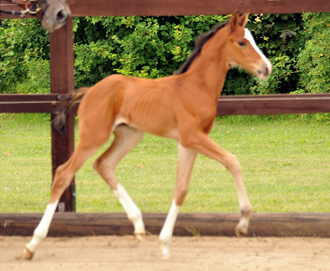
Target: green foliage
[149,47]
[24,56]
[238,82]
[154,47]
[37,80]
[314,59]
[280,79]
[277,36]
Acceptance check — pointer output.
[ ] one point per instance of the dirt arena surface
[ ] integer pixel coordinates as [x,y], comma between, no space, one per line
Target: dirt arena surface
[188,253]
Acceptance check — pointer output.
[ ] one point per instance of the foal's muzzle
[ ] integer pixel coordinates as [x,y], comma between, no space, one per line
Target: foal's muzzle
[264,70]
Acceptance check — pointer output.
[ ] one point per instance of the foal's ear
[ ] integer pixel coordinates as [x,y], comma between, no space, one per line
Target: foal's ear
[243,19]
[233,22]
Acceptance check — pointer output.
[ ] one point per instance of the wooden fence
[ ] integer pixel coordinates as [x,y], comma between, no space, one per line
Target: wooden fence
[62,82]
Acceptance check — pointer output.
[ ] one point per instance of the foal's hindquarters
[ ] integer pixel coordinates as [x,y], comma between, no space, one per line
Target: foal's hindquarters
[93,135]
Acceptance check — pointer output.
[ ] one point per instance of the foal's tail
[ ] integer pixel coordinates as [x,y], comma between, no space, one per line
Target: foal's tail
[59,122]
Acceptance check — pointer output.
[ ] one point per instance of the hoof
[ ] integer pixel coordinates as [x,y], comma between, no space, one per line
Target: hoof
[166,256]
[140,236]
[27,254]
[240,232]
[165,247]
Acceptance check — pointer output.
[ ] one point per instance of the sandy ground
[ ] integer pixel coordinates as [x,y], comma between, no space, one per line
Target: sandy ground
[188,253]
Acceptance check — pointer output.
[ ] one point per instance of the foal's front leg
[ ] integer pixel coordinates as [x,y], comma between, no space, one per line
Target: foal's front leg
[185,163]
[204,145]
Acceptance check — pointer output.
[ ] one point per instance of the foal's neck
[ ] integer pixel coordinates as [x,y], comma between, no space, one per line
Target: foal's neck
[210,66]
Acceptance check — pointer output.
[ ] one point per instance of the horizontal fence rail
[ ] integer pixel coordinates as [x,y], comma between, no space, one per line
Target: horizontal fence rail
[21,103]
[227,105]
[193,7]
[273,104]
[187,224]
[183,7]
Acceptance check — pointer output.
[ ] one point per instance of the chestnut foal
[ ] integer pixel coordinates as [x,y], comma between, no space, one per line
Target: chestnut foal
[182,107]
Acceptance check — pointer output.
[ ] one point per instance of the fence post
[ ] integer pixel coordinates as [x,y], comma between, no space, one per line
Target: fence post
[62,82]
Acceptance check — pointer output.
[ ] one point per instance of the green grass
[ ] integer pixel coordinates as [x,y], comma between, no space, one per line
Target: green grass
[285,161]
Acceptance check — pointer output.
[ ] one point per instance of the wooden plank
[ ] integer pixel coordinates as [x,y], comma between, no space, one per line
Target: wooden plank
[270,104]
[82,8]
[193,7]
[28,103]
[188,224]
[11,7]
[227,105]
[273,104]
[28,97]
[27,107]
[61,65]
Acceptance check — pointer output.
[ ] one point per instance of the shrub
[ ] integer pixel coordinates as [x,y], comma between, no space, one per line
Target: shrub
[23,44]
[154,47]
[278,36]
[314,58]
[149,47]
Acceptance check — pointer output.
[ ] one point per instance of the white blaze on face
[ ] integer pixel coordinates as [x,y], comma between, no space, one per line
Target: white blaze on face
[250,38]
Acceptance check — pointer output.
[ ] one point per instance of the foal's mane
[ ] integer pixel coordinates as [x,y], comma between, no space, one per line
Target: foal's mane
[199,43]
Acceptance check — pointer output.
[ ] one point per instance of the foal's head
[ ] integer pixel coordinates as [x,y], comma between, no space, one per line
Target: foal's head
[241,49]
[54,13]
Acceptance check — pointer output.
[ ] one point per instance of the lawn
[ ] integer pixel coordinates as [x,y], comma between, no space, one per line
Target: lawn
[285,162]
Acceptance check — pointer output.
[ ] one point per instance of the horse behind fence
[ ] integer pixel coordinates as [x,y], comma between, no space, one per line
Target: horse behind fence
[53,13]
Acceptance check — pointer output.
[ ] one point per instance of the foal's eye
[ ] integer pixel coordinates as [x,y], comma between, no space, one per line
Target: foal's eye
[241,43]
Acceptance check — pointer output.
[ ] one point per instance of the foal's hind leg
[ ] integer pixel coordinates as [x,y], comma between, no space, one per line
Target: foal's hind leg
[185,163]
[126,138]
[62,179]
